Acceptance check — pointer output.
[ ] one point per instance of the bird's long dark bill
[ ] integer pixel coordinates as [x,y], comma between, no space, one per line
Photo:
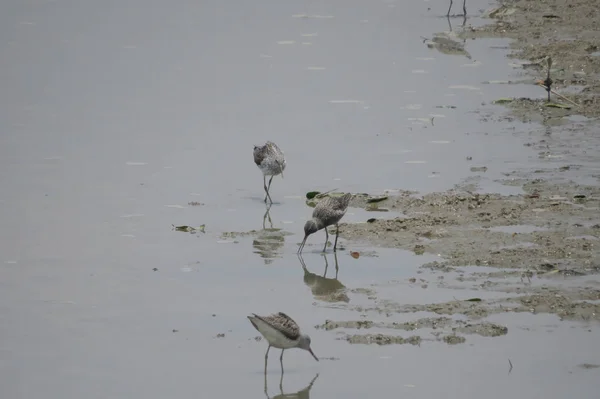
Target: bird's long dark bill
[311,352]
[302,245]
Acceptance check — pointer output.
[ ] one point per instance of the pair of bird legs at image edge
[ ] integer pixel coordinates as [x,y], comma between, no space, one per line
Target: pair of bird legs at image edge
[267,215]
[464,8]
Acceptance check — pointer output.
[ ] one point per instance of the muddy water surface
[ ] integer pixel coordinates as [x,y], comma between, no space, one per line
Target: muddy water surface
[116,115]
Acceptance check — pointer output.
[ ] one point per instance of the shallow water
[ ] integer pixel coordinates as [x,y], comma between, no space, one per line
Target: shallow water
[115,115]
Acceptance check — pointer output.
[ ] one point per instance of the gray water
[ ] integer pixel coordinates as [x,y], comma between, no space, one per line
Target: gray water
[115,114]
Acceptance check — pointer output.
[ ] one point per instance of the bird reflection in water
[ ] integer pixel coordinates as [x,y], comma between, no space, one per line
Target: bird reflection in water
[301,394]
[269,241]
[323,288]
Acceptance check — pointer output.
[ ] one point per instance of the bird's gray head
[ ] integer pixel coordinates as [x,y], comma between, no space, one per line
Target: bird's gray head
[310,227]
[304,343]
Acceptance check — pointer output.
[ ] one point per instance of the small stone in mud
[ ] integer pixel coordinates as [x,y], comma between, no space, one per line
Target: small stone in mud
[175,330]
[258,338]
[221,335]
[155,269]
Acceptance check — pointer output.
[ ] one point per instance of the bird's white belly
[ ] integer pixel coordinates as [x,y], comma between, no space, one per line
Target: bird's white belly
[278,340]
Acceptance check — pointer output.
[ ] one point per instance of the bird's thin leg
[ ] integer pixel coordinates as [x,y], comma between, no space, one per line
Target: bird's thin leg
[281,382]
[266,392]
[267,188]
[449,8]
[465,7]
[326,239]
[281,360]
[266,359]
[337,233]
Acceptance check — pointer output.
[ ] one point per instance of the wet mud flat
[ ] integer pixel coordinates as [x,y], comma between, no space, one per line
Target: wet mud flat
[533,252]
[536,252]
[566,31]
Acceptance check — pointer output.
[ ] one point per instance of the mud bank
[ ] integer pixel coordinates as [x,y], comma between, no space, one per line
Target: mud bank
[538,251]
[568,32]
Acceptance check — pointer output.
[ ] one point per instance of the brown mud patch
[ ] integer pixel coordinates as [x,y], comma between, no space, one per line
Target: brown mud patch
[443,329]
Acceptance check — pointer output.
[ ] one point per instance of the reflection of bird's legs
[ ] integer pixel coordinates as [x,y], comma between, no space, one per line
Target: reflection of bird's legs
[449,8]
[326,239]
[337,233]
[267,215]
[326,266]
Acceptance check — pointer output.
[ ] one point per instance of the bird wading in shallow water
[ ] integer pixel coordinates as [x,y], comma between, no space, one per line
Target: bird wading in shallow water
[329,211]
[270,160]
[281,332]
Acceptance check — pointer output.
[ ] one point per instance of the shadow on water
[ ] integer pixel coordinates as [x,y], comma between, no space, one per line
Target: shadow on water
[303,393]
[323,288]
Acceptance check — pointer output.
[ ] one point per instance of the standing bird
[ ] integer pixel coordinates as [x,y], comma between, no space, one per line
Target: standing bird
[282,332]
[329,211]
[270,160]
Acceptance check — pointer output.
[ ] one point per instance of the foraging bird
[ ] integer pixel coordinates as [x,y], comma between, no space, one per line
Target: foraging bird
[270,160]
[281,332]
[329,211]
[464,8]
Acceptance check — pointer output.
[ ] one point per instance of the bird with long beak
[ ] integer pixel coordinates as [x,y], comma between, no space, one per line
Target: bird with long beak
[282,332]
[329,211]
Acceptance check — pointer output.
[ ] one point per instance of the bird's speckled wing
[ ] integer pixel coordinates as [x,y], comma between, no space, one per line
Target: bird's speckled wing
[332,209]
[283,323]
[273,148]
